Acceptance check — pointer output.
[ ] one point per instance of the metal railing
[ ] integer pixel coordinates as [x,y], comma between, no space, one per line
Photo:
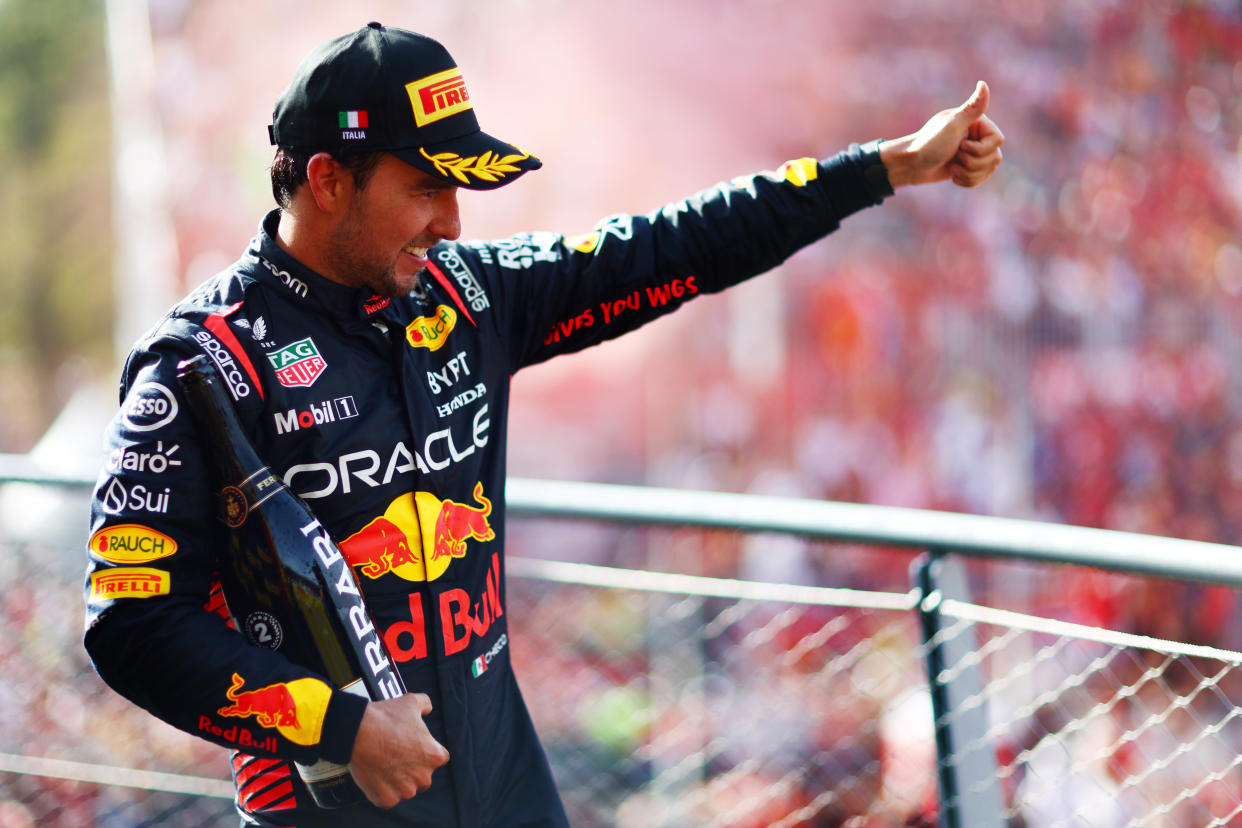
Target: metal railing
[967,650]
[971,535]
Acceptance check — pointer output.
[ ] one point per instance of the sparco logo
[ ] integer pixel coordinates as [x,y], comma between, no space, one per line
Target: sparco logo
[293,283]
[329,411]
[461,273]
[220,355]
[150,406]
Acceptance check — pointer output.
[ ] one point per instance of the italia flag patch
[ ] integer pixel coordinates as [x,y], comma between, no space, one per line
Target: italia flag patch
[353,119]
[479,666]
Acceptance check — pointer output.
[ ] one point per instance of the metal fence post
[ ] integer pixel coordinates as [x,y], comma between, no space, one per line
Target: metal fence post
[969,791]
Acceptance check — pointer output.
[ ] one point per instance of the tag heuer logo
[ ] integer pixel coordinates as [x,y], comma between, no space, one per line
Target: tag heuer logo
[298,365]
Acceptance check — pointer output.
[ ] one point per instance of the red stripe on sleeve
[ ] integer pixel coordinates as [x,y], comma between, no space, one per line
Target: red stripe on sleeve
[216,324]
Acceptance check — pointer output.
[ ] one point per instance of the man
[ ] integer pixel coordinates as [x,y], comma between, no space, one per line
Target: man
[369,356]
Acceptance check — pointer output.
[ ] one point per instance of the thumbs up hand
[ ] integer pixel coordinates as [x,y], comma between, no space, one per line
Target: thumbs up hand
[960,144]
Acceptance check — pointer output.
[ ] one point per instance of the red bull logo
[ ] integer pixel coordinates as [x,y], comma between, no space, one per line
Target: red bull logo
[418,536]
[294,709]
[464,617]
[456,522]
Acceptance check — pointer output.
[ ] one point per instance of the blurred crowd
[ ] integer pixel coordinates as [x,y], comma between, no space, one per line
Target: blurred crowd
[1061,344]
[1056,345]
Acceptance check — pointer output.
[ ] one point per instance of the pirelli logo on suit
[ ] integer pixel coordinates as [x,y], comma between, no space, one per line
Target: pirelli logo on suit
[128,582]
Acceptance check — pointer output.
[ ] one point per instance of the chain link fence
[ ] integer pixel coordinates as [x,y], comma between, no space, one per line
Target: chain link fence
[673,700]
[1099,728]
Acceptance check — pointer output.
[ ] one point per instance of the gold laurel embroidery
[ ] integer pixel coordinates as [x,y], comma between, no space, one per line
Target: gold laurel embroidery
[486,167]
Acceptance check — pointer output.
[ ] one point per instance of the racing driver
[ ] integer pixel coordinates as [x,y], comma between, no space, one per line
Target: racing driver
[368,354]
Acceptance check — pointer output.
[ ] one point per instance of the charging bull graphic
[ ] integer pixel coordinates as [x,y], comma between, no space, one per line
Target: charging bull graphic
[294,709]
[456,522]
[418,536]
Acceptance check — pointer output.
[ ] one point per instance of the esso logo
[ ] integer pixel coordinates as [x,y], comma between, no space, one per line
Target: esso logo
[150,406]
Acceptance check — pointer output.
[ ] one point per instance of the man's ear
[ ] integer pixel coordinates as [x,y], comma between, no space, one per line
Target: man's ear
[330,184]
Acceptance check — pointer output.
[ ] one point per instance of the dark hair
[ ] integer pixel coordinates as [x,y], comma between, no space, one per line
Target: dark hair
[289,170]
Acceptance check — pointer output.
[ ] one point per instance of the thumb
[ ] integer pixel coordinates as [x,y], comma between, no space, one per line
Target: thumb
[975,105]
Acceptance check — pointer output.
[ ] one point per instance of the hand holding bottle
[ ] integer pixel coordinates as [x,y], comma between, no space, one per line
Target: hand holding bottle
[394,752]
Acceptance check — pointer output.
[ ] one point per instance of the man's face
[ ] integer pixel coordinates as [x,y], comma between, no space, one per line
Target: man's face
[382,239]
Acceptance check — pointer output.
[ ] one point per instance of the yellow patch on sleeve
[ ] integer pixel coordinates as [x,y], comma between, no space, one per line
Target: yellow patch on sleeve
[801,171]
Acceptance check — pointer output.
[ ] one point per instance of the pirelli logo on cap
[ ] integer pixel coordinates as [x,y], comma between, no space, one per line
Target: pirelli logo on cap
[438,96]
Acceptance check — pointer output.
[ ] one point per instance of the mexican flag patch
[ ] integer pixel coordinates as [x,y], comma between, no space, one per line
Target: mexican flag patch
[298,365]
[478,667]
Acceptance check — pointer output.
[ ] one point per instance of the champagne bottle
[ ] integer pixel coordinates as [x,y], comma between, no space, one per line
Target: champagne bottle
[285,582]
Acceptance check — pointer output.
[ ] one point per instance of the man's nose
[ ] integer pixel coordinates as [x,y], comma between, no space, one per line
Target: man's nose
[446,223]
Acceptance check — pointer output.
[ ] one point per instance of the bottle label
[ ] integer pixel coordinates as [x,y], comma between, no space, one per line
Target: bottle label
[237,502]
[233,506]
[380,675]
[323,770]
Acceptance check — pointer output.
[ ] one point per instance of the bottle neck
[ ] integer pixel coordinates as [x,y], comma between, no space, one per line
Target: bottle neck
[225,444]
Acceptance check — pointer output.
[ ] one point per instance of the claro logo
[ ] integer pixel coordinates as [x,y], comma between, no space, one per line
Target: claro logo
[142,459]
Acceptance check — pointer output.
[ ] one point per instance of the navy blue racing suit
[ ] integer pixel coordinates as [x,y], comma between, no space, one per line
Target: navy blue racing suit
[389,418]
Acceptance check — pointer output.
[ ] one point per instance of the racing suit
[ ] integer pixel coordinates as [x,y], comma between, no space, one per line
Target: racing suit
[388,417]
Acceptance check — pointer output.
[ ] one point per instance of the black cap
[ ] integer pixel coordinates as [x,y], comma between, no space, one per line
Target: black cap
[386,89]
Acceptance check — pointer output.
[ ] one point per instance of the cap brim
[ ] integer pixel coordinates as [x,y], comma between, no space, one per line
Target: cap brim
[476,161]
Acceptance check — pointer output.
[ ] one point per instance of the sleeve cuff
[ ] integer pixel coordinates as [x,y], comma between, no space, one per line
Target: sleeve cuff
[856,178]
[340,726]
[874,171]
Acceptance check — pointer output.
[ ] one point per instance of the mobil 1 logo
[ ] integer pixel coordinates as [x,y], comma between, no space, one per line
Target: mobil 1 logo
[315,414]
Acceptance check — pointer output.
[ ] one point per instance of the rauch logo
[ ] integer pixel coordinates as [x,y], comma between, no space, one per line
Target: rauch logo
[131,543]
